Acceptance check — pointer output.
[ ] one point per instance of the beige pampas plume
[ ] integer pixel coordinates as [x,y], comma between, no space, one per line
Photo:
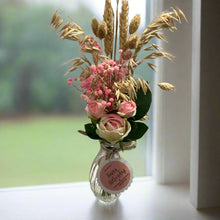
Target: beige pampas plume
[166,86]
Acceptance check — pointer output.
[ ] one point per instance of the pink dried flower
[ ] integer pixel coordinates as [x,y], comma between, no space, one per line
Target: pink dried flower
[100,92]
[82,96]
[93,68]
[95,109]
[127,109]
[103,103]
[116,69]
[108,91]
[112,62]
[89,101]
[88,92]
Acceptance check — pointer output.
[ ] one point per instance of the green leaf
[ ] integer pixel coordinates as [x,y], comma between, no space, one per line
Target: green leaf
[143,103]
[122,145]
[91,131]
[138,129]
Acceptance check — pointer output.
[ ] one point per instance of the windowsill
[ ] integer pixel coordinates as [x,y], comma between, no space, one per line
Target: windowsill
[143,200]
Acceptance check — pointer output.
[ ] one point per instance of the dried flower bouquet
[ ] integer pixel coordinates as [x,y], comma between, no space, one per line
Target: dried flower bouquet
[115,100]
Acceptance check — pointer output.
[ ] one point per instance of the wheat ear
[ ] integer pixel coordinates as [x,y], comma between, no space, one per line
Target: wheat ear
[108,17]
[123,24]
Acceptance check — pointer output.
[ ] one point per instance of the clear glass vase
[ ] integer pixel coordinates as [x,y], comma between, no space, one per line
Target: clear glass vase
[107,151]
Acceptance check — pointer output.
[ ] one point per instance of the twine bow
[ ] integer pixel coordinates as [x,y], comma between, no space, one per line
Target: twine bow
[113,149]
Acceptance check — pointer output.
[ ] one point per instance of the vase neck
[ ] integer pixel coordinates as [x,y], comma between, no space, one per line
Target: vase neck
[116,147]
[110,150]
[109,146]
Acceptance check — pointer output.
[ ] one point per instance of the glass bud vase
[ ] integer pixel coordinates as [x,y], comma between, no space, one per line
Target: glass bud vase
[107,151]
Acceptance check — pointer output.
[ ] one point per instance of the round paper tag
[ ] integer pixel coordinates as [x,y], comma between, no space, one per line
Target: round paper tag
[115,175]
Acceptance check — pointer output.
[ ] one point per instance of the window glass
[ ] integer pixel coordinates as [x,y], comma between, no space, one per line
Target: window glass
[39,113]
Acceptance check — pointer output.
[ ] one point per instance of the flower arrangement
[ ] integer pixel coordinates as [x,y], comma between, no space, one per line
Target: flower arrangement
[116,101]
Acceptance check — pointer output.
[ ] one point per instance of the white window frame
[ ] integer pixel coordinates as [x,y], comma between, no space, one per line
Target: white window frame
[190,106]
[205,150]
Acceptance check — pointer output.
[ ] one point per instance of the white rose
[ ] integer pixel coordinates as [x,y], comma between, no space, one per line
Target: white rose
[113,128]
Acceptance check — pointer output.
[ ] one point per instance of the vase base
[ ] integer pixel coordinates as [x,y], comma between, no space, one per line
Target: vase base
[107,203]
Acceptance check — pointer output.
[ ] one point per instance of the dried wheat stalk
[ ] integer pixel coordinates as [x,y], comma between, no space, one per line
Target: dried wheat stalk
[108,17]
[123,24]
[116,31]
[134,24]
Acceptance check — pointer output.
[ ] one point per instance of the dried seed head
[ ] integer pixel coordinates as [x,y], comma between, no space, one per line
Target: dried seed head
[151,65]
[134,24]
[108,17]
[95,26]
[132,41]
[125,89]
[123,25]
[182,14]
[53,17]
[144,118]
[142,84]
[166,86]
[102,30]
[166,20]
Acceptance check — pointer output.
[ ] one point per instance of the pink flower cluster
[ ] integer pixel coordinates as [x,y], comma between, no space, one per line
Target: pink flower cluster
[97,87]
[96,109]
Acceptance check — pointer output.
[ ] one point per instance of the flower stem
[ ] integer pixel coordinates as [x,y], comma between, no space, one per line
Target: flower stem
[116,31]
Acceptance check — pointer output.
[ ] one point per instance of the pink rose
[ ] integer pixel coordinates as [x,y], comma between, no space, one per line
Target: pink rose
[127,109]
[95,110]
[113,128]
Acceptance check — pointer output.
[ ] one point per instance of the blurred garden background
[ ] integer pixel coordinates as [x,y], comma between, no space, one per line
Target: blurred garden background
[39,113]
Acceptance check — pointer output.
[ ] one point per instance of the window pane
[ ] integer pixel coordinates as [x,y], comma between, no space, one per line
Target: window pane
[39,113]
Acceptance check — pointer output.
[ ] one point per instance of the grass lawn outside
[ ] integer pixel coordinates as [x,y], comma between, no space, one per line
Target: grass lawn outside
[48,149]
